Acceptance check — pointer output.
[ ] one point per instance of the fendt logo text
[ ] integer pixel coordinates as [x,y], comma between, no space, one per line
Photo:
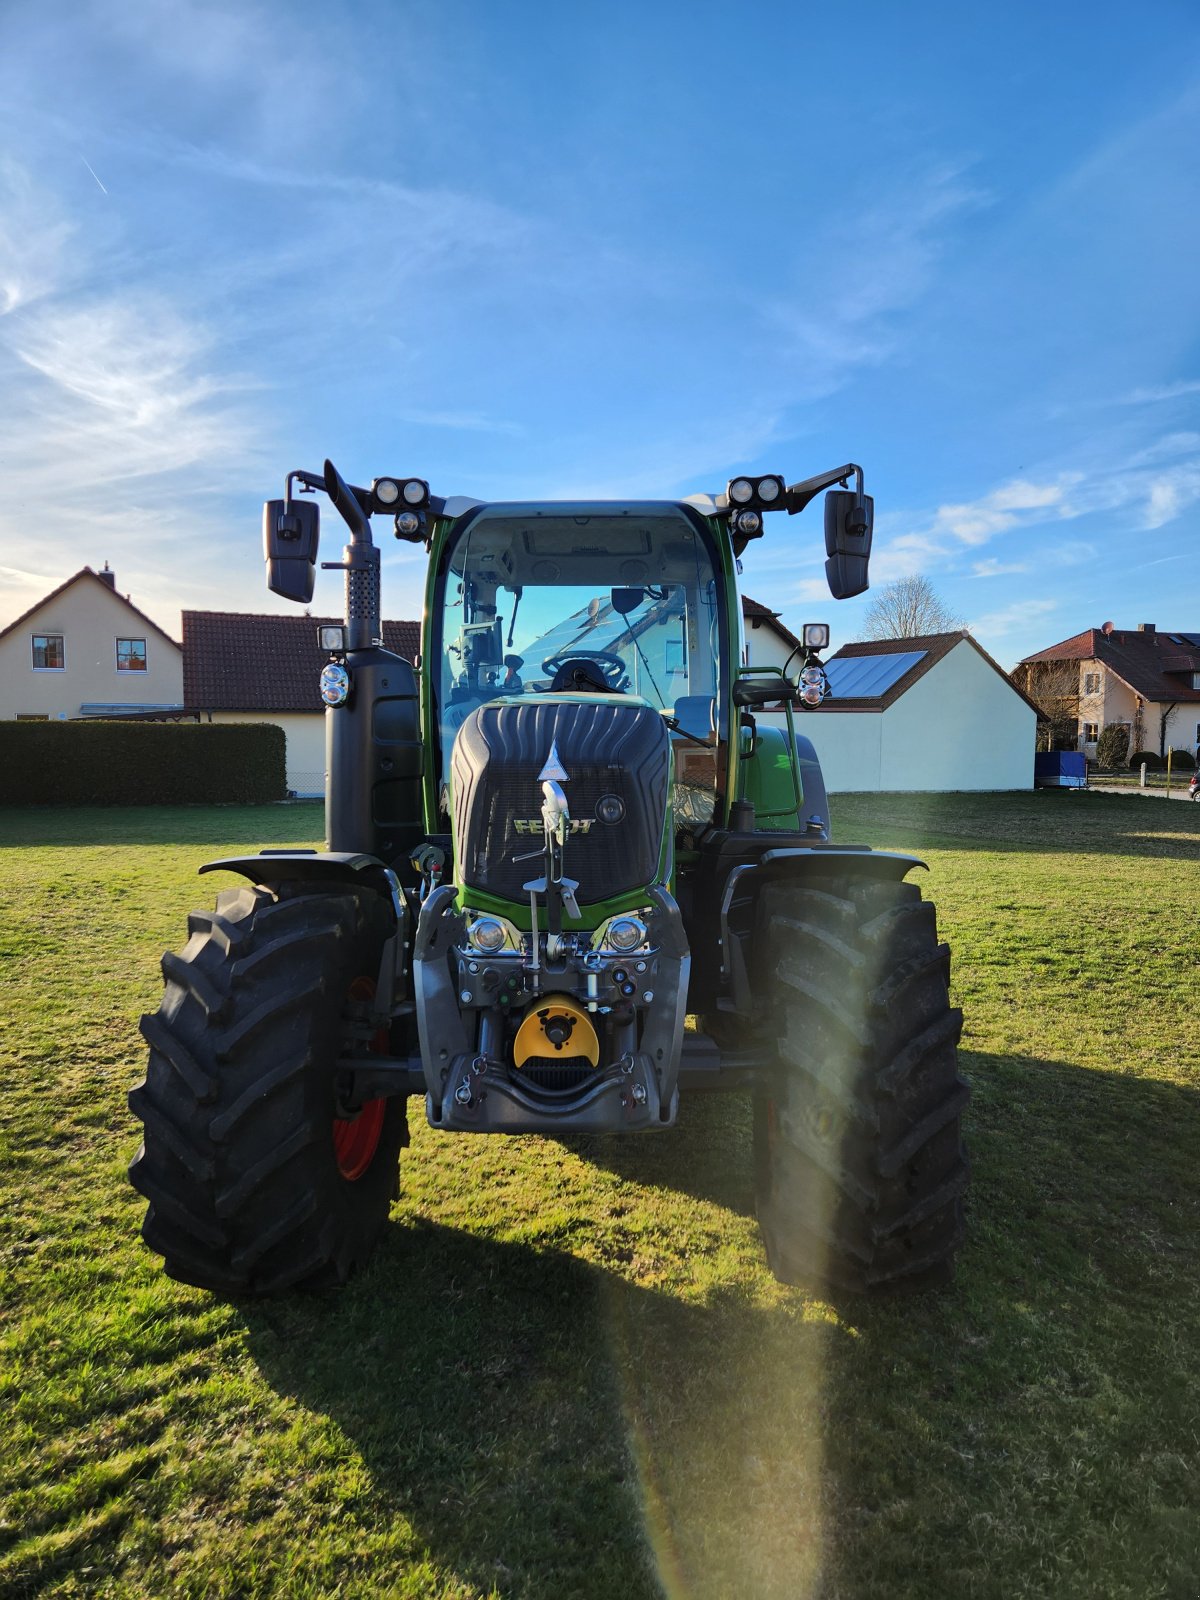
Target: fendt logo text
[535,824]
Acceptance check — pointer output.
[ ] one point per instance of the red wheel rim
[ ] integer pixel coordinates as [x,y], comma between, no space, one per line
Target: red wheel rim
[356,1139]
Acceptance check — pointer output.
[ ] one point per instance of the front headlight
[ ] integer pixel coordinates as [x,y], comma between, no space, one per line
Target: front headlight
[335,684]
[487,934]
[625,933]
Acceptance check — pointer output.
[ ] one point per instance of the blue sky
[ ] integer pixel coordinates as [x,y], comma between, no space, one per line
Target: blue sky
[609,249]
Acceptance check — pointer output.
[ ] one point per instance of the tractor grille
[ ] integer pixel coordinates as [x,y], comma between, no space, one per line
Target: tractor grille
[555,1075]
[607,749]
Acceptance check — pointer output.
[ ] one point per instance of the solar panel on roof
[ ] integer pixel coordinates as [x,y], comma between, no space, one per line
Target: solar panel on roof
[856,677]
[1191,638]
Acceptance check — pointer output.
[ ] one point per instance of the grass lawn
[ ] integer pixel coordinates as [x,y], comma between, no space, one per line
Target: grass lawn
[568,1372]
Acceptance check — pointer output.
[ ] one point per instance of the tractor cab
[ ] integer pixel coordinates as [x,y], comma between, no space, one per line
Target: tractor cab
[628,602]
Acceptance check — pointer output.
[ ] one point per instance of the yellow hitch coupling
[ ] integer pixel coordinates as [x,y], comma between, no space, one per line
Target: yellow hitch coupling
[556,1025]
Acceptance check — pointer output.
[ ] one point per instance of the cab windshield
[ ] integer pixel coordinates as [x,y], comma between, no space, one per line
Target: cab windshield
[635,597]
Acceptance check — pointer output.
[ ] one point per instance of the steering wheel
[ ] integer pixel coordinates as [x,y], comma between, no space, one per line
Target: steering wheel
[614,670]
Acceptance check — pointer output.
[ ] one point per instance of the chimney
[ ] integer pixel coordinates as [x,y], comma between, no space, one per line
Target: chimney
[108,576]
[1145,627]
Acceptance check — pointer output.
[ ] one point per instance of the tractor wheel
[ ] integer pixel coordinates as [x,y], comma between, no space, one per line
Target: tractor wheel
[258,1181]
[860,1171]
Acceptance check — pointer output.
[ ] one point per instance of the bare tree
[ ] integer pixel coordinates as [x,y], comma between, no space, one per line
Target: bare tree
[907,607]
[1053,686]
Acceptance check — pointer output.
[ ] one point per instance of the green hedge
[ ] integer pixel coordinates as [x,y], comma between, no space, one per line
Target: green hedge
[141,763]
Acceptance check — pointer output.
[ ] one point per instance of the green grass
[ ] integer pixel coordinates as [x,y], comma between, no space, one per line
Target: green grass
[568,1371]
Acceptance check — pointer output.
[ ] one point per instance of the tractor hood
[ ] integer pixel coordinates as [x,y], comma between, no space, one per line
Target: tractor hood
[615,753]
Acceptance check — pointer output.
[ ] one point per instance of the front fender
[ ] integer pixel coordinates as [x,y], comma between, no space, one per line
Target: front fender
[319,868]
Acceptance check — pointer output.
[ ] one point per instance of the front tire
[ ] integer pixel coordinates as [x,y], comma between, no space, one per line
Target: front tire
[257,1179]
[860,1171]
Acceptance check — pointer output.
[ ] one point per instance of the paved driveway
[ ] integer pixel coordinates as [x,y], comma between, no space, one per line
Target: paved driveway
[1179,793]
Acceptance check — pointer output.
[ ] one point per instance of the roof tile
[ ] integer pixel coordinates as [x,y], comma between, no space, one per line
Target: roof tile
[1156,665]
[240,661]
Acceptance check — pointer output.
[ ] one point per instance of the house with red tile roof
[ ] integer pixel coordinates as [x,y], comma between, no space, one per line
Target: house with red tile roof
[1145,679]
[241,667]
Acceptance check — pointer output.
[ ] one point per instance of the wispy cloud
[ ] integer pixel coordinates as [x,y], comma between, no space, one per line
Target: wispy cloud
[975,522]
[1151,487]
[121,408]
[1156,394]
[882,261]
[462,422]
[991,568]
[1066,553]
[998,625]
[34,237]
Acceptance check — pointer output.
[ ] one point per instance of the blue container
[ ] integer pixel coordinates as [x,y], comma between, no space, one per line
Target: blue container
[1060,769]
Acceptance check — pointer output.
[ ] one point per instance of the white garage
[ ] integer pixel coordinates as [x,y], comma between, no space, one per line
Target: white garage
[928,713]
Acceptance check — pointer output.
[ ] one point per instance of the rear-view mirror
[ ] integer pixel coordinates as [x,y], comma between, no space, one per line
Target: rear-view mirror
[626,600]
[849,520]
[291,533]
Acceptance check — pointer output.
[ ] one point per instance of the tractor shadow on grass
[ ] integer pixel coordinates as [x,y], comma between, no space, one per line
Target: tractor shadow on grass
[1041,1415]
[548,1426]
[707,1154]
[473,1379]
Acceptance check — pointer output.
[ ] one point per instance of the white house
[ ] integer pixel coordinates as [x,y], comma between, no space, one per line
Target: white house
[928,713]
[86,650]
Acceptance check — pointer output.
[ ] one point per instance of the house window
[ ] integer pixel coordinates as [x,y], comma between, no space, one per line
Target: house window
[48,653]
[1091,732]
[131,655]
[1091,683]
[33,716]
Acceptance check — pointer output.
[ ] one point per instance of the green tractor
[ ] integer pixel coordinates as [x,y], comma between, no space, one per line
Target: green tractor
[570,876]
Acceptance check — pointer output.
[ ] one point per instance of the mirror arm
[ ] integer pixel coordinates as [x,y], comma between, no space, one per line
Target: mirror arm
[798,495]
[306,480]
